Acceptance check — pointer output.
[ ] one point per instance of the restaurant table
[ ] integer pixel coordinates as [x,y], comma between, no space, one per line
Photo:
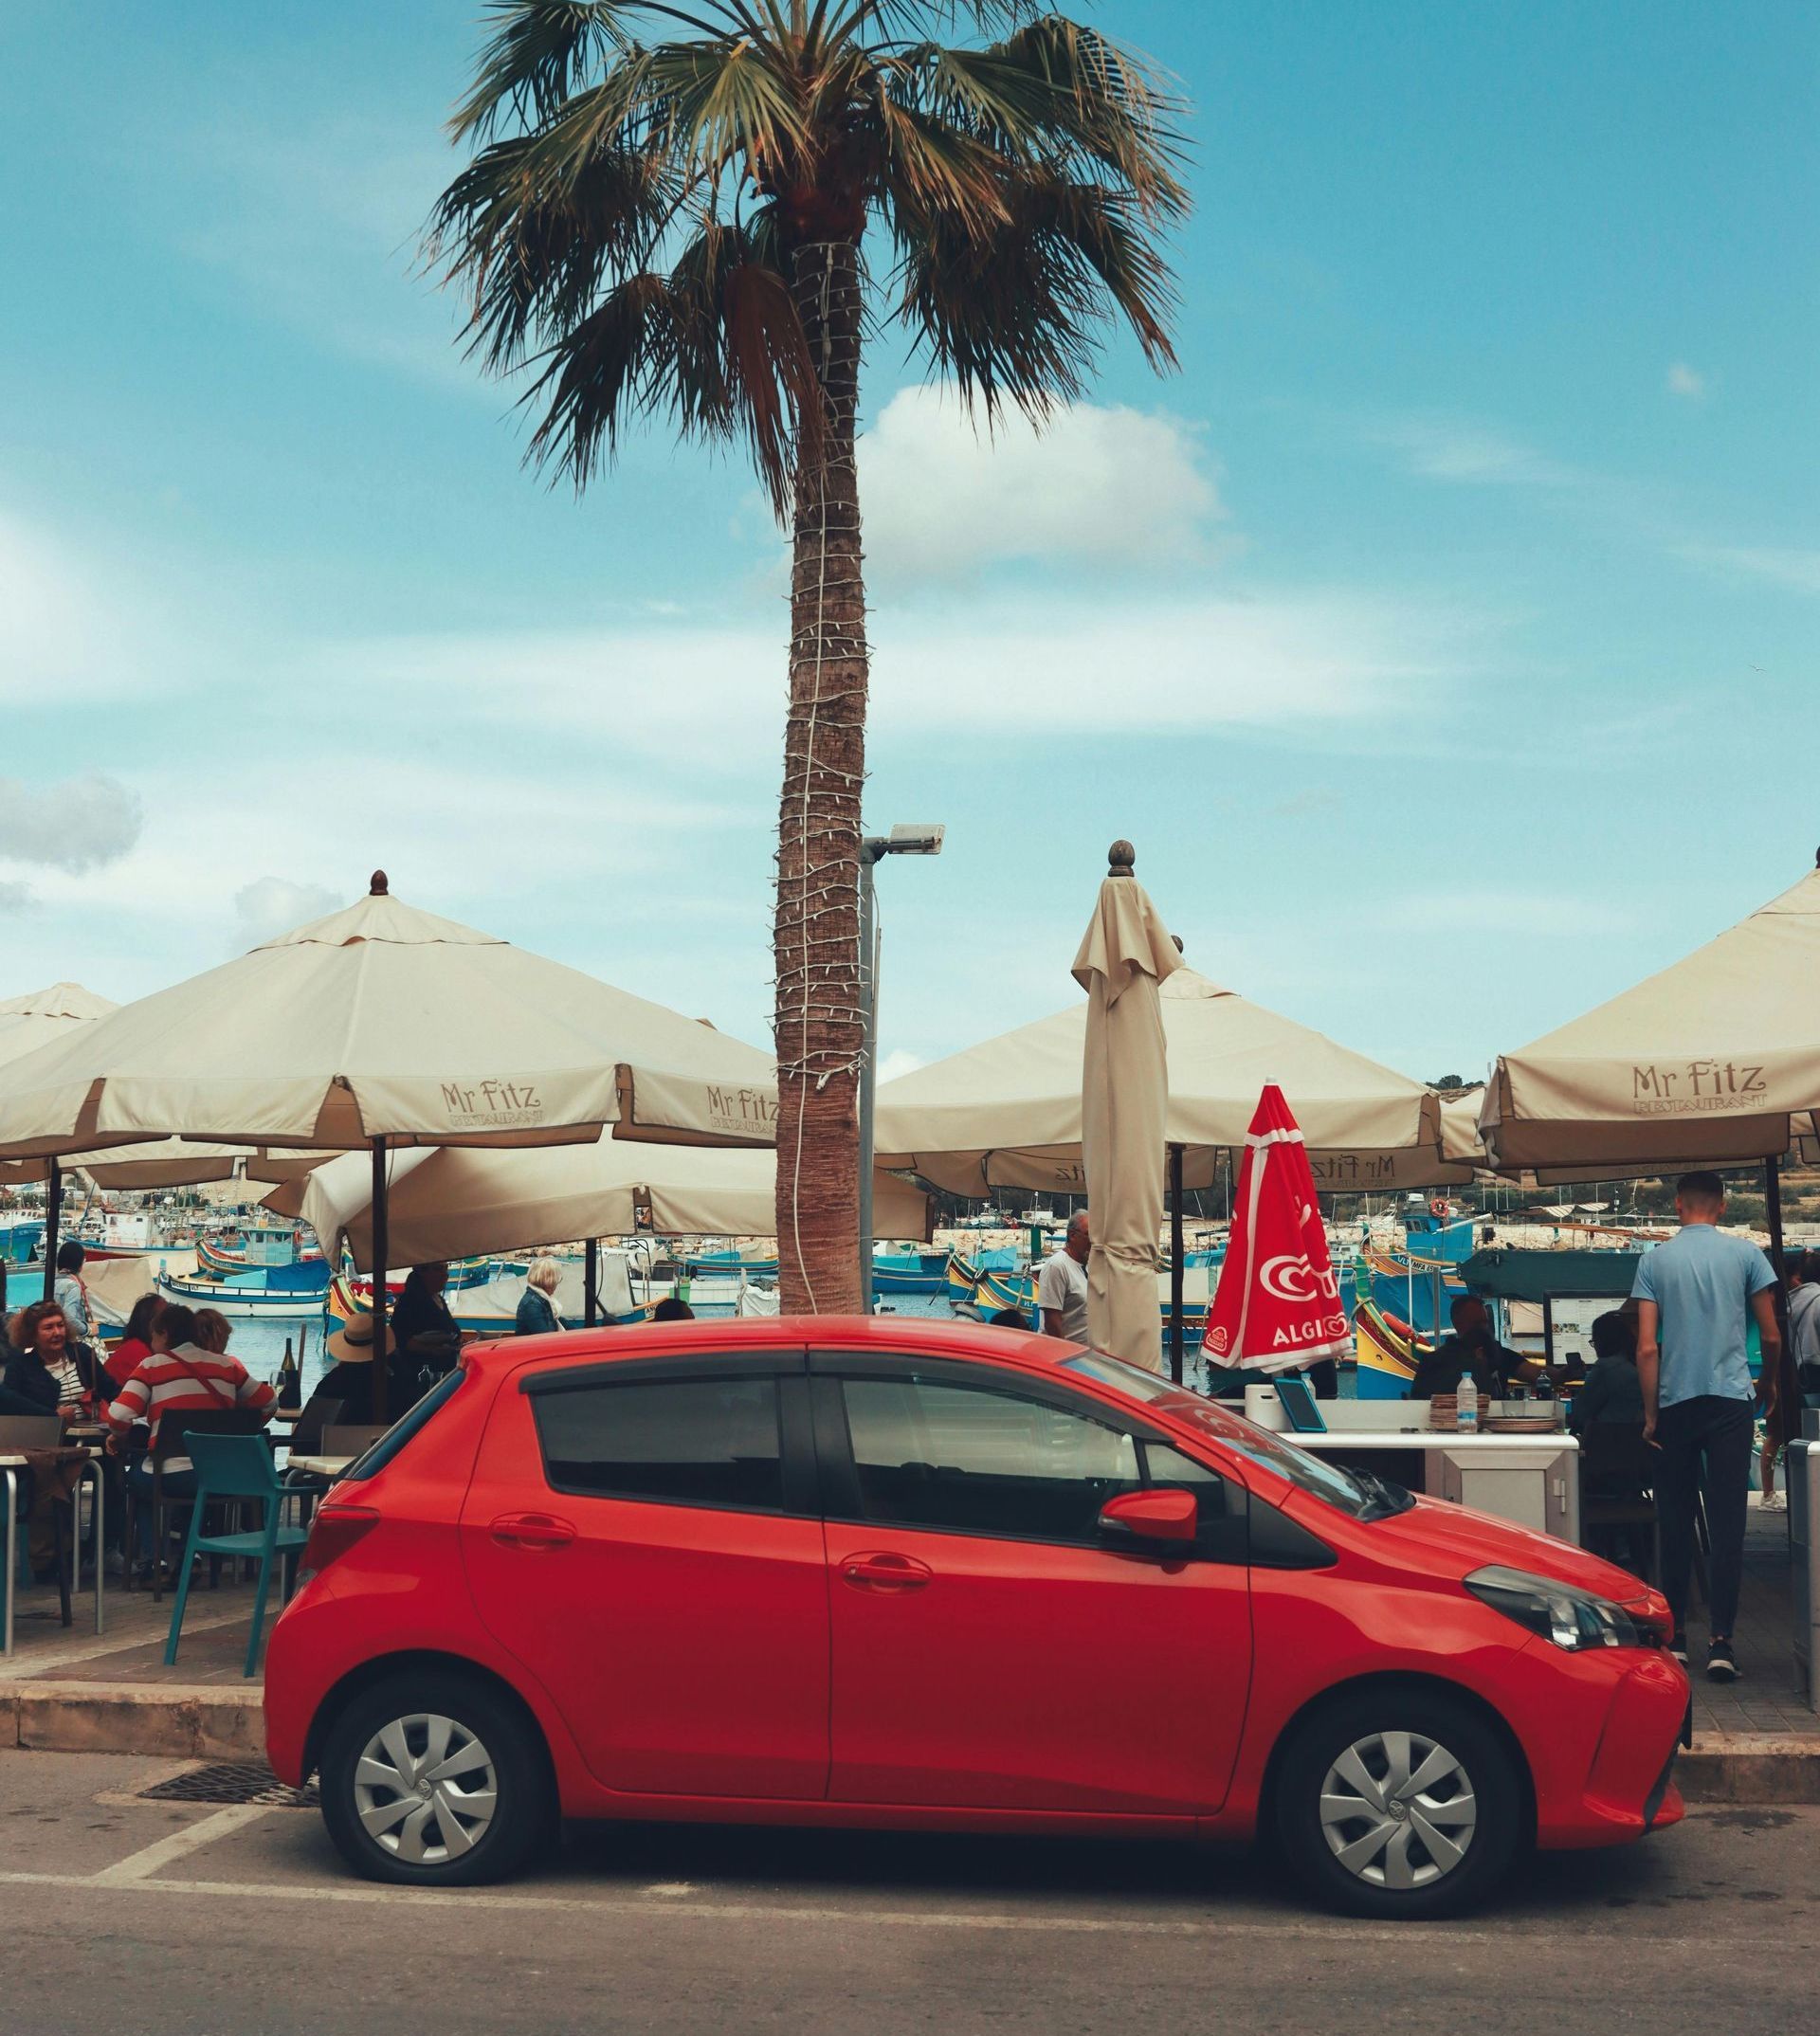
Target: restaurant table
[323,1467]
[1530,1480]
[10,1465]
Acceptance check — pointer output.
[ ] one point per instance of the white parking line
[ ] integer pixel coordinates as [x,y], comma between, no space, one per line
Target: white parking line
[141,1865]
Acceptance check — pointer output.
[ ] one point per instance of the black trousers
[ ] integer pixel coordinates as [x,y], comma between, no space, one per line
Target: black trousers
[1704,1446]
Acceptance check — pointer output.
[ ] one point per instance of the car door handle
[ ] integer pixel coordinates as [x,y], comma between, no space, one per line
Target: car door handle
[532,1530]
[887,1573]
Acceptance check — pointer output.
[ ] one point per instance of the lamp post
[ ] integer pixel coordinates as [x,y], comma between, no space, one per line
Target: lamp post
[873,850]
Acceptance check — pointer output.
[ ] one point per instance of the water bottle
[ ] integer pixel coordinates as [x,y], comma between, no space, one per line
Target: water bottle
[1466,1405]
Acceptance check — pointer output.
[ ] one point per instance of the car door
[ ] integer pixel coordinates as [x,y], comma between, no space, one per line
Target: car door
[989,1648]
[645,1537]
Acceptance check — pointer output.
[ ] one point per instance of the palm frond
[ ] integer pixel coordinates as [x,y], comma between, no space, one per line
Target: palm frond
[1015,314]
[716,343]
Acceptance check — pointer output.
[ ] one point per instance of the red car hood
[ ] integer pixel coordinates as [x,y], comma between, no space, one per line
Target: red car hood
[1455,1540]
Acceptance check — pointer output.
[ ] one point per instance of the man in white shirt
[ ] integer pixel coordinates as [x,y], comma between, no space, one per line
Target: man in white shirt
[1061,1285]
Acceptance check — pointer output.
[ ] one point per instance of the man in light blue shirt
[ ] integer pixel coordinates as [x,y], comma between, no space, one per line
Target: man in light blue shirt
[1696,1295]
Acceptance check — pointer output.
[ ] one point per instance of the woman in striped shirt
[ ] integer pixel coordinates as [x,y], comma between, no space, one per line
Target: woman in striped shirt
[181,1377]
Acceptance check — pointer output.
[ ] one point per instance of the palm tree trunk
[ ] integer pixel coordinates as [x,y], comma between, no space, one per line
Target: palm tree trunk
[816,932]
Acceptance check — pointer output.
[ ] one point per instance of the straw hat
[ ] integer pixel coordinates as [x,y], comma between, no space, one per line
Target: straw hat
[352,1344]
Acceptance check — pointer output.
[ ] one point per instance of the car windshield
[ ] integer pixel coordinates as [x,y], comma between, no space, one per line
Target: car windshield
[1357,1498]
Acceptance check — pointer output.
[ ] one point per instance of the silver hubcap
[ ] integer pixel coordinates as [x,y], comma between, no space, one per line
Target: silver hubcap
[423,1788]
[1397,1810]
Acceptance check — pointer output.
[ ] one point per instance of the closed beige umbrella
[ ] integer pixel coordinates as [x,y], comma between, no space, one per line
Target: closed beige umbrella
[465,1201]
[1714,1061]
[1126,955]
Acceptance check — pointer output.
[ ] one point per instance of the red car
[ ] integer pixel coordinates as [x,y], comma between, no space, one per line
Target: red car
[922,1575]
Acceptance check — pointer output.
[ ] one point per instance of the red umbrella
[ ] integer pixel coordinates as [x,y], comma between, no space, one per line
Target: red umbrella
[1278,1303]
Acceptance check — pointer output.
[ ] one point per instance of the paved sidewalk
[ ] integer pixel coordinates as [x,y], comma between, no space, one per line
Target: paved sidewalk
[1754,1741]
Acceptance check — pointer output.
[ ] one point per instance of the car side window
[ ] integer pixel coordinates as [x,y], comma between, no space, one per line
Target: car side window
[978,1462]
[700,1442]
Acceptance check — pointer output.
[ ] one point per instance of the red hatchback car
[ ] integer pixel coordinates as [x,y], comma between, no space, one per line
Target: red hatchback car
[914,1574]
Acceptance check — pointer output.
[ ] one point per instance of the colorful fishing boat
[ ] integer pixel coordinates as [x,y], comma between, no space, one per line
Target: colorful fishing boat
[910,1272]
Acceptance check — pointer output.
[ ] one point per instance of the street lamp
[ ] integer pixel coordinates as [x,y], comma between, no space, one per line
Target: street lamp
[925,840]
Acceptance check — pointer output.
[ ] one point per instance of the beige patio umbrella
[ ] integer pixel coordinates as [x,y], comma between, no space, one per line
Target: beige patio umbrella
[1007,1113]
[1126,955]
[386,1026]
[36,1019]
[1713,1061]
[466,1201]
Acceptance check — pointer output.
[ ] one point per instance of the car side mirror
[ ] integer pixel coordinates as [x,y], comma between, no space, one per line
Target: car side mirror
[1156,1517]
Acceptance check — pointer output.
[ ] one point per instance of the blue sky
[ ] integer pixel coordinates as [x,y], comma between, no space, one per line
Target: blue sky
[1445,634]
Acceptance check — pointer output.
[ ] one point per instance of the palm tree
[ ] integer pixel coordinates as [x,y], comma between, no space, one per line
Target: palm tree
[665,210]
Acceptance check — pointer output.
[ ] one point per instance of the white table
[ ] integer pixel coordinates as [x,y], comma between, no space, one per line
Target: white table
[323,1467]
[1531,1480]
[10,1465]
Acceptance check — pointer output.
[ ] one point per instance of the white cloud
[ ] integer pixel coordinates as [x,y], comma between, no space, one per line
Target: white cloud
[1781,566]
[900,1063]
[1470,455]
[1045,668]
[77,825]
[1682,380]
[944,497]
[318,218]
[16,899]
[272,905]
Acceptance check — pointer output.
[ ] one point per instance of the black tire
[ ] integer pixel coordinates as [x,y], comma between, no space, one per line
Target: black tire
[1393,1872]
[498,1752]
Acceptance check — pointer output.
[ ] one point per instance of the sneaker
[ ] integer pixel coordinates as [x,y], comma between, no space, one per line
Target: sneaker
[1721,1663]
[1678,1647]
[1773,1502]
[115,1563]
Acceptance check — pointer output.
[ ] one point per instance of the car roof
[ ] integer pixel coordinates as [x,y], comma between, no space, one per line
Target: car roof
[917,1335]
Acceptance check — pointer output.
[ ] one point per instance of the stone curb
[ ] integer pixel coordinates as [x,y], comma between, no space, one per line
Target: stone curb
[186,1722]
[203,1724]
[1749,1766]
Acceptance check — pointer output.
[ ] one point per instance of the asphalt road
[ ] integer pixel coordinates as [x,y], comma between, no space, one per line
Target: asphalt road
[118,1913]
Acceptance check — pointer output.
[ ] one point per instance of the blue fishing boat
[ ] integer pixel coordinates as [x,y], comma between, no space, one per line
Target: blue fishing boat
[20,1242]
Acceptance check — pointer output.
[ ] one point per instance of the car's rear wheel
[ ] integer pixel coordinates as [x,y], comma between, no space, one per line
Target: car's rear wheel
[1399,1803]
[433,1780]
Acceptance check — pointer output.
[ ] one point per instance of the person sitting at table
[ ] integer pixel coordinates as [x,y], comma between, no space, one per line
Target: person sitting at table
[672,1309]
[536,1315]
[179,1377]
[347,1387]
[1473,1348]
[48,1373]
[50,1367]
[424,1335]
[134,1346]
[212,1330]
[1612,1392]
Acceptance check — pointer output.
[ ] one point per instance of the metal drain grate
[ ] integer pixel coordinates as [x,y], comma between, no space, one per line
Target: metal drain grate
[233,1782]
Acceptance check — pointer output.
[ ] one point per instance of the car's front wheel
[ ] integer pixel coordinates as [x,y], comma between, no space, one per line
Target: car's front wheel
[433,1780]
[1399,1802]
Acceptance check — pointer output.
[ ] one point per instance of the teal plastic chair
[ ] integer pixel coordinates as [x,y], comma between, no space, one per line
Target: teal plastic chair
[234,1466]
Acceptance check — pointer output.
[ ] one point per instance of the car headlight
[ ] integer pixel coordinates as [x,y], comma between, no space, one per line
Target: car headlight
[1568,1617]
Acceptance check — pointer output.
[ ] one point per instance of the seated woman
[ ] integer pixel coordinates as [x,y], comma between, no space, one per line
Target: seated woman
[180,1378]
[423,1335]
[536,1315]
[134,1346]
[48,1373]
[212,1330]
[1612,1392]
[343,1395]
[48,1368]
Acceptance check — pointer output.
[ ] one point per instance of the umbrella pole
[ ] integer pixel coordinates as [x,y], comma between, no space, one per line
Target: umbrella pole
[591,1283]
[53,1213]
[381,1245]
[1176,1266]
